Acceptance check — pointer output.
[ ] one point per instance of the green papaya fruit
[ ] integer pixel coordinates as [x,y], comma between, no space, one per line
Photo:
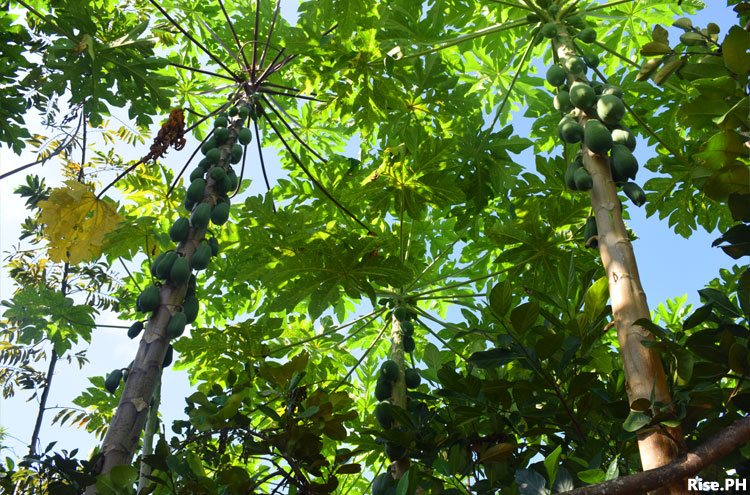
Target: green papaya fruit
[167,357]
[233,180]
[383,415]
[408,328]
[591,60]
[575,21]
[583,180]
[155,265]
[222,134]
[197,174]
[556,75]
[589,231]
[208,145]
[245,136]
[562,101]
[149,299]
[587,35]
[232,111]
[400,313]
[220,121]
[582,95]
[575,66]
[553,10]
[610,109]
[409,345]
[201,215]
[214,155]
[195,190]
[180,272]
[191,307]
[224,185]
[389,370]
[189,204]
[549,30]
[570,131]
[412,378]
[243,112]
[135,329]
[623,162]
[610,89]
[598,87]
[394,451]
[176,325]
[381,484]
[179,230]
[597,137]
[214,243]
[113,381]
[205,164]
[532,18]
[235,156]
[162,271]
[624,136]
[569,177]
[201,257]
[217,173]
[634,193]
[220,213]
[383,389]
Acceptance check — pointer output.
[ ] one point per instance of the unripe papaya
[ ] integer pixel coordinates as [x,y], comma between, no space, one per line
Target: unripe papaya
[624,136]
[220,213]
[610,89]
[197,174]
[549,30]
[179,230]
[408,328]
[149,299]
[400,313]
[154,266]
[575,21]
[587,35]
[582,95]
[412,378]
[220,121]
[383,415]
[591,59]
[180,272]
[214,243]
[190,306]
[176,325]
[394,452]
[188,204]
[232,111]
[597,137]
[634,193]
[208,145]
[113,381]
[570,131]
[236,153]
[221,133]
[162,271]
[201,257]
[214,155]
[583,180]
[382,389]
[201,215]
[556,75]
[389,370]
[196,189]
[244,136]
[233,180]
[217,173]
[562,101]
[575,66]
[569,177]
[382,483]
[409,345]
[610,109]
[243,112]
[135,329]
[623,162]
[167,357]
[532,18]
[589,231]
[205,164]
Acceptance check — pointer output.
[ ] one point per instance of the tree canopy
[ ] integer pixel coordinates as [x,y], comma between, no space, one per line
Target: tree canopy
[426,315]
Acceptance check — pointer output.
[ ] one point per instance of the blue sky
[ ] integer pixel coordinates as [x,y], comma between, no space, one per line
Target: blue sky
[689,265]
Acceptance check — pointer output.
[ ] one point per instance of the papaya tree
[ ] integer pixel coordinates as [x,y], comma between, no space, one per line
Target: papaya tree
[408,308]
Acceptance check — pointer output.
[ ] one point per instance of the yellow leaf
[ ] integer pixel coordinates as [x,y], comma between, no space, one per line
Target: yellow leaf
[76,223]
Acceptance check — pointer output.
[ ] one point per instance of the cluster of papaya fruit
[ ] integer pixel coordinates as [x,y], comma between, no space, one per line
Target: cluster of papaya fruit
[225,147]
[405,319]
[592,113]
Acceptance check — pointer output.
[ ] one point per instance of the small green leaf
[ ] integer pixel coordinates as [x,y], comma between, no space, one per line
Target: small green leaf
[699,316]
[592,476]
[524,316]
[551,465]
[721,302]
[635,421]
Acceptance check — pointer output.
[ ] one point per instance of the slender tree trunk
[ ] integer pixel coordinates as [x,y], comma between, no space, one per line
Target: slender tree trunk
[398,396]
[148,437]
[644,373]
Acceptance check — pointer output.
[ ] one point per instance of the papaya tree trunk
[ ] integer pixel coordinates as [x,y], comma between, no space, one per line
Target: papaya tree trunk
[148,437]
[398,395]
[644,373]
[126,427]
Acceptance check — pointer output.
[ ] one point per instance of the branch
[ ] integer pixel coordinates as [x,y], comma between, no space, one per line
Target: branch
[685,466]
